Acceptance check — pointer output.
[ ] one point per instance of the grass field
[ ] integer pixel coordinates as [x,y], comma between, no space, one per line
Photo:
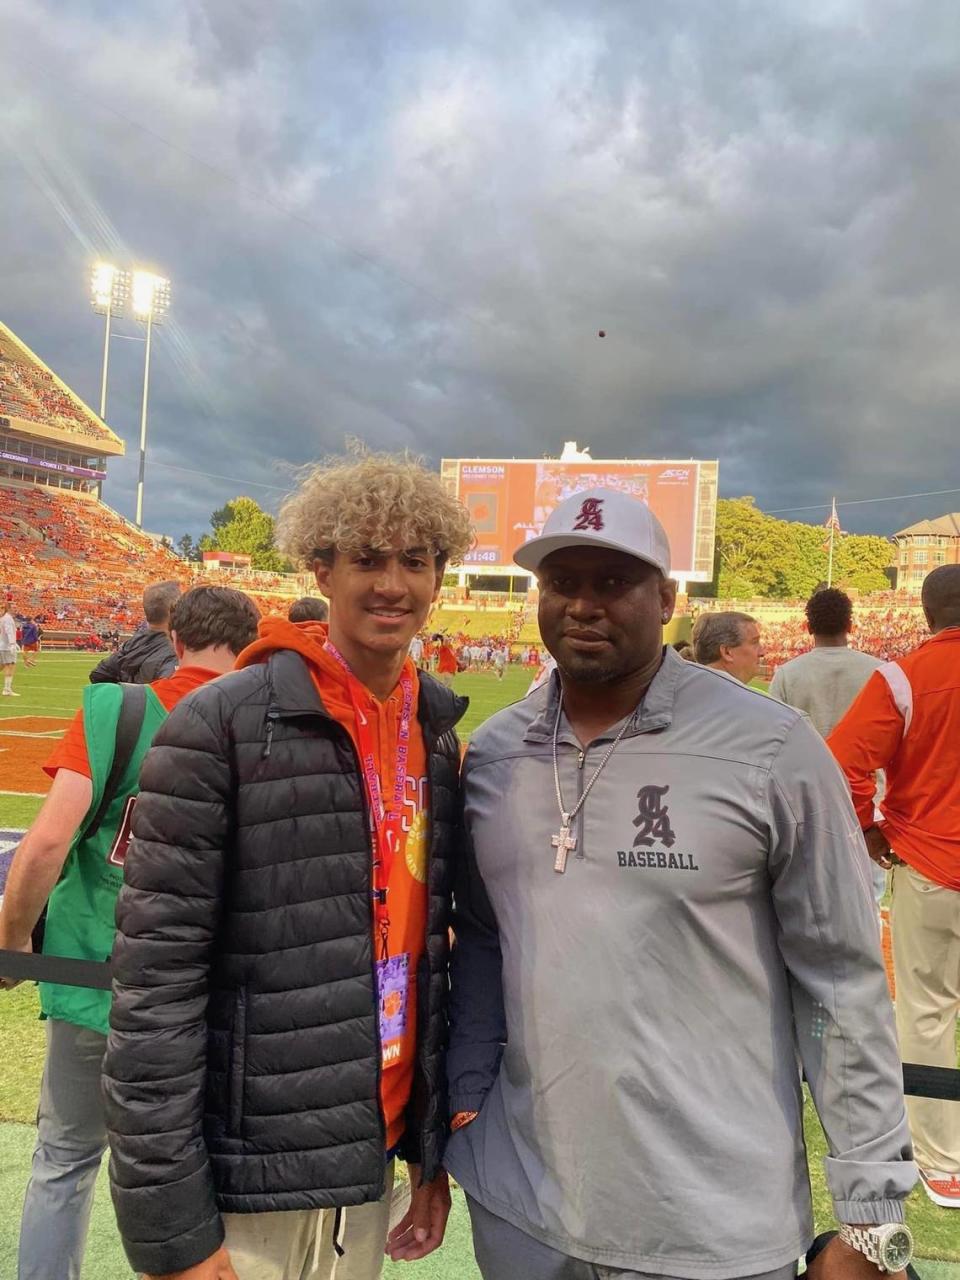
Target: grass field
[53,690]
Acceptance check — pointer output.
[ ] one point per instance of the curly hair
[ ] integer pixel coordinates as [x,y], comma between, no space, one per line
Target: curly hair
[829,612]
[375,501]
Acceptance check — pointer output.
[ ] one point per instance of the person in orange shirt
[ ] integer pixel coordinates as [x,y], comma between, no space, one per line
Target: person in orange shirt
[293,848]
[446,661]
[906,721]
[75,870]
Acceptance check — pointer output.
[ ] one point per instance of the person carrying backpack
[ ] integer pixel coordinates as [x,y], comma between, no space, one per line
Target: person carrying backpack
[71,863]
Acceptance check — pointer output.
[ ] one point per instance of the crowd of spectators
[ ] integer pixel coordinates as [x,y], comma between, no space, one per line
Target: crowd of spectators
[28,391]
[885,633]
[77,566]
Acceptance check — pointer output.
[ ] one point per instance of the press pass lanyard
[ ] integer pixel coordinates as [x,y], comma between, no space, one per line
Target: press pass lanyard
[385,822]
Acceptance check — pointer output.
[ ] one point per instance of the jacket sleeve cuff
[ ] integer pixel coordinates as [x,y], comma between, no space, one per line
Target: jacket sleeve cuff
[162,1256]
[409,1149]
[466,1102]
[869,1191]
[868,1212]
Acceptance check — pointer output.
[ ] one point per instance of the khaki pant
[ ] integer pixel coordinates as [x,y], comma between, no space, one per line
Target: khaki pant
[925,924]
[299,1245]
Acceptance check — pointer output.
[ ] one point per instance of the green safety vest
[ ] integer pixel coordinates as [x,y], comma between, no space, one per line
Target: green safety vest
[81,910]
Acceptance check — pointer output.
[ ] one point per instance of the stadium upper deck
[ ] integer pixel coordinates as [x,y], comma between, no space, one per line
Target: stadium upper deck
[48,436]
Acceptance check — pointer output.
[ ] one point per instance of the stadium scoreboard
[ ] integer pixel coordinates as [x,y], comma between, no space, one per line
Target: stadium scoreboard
[510,499]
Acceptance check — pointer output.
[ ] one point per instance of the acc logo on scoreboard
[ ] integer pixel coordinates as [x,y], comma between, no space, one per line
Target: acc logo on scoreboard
[675,473]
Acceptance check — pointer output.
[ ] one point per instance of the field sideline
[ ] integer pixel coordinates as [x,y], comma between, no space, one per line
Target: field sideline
[29,726]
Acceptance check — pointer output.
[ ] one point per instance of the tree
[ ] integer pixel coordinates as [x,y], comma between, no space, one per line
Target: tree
[759,555]
[861,562]
[752,549]
[187,549]
[243,527]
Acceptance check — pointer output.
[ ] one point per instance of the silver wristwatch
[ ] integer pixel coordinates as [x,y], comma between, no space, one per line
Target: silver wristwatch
[889,1247]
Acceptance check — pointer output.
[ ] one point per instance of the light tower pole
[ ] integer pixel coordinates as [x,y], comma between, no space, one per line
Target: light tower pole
[151,300]
[109,290]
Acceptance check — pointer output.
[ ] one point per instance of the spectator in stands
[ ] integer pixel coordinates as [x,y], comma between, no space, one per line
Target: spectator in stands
[148,655]
[906,721]
[210,626]
[309,609]
[728,642]
[824,682]
[8,649]
[270,1052]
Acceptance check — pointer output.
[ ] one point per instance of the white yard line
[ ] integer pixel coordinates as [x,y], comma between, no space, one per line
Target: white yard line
[25,733]
[27,795]
[45,706]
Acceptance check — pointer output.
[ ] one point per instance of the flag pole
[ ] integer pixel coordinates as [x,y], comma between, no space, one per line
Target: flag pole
[833,531]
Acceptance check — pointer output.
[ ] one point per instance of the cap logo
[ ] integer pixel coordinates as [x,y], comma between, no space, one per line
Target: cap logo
[591,515]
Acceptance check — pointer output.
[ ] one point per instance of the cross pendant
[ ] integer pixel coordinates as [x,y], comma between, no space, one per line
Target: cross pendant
[563,843]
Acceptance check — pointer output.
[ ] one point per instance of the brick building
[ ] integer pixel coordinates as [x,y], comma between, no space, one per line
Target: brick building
[925,546]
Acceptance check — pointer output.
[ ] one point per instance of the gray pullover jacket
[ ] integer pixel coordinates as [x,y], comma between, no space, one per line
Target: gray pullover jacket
[630,1030]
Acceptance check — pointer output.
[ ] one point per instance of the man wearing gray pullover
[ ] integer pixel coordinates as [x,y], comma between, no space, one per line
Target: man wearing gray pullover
[665,900]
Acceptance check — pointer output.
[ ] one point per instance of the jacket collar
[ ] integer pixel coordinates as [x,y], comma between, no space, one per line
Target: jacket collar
[654,712]
[948,633]
[294,693]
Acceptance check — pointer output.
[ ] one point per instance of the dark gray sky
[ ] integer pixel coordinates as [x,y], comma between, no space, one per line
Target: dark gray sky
[408,222]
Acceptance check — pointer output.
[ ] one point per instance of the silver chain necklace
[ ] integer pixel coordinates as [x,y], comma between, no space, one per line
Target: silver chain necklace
[563,841]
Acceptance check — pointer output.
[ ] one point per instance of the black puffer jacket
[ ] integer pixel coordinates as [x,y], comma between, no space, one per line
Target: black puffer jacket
[145,657]
[243,1064]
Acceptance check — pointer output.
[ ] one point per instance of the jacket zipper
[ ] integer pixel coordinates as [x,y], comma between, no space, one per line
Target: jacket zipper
[273,715]
[365,809]
[429,744]
[581,761]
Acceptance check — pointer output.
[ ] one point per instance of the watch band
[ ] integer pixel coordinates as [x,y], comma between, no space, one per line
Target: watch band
[874,1242]
[863,1240]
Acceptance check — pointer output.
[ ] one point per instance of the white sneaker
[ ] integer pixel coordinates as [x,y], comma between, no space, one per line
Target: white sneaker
[942,1188]
[9,693]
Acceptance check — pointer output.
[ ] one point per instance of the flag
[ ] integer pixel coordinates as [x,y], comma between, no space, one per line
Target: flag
[833,525]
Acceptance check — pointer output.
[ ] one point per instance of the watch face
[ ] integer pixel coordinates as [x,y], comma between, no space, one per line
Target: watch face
[897,1250]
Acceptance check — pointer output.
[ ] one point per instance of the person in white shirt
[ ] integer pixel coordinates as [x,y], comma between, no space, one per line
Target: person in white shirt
[824,682]
[8,649]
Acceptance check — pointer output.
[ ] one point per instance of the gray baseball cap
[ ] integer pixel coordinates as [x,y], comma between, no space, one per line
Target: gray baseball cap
[600,518]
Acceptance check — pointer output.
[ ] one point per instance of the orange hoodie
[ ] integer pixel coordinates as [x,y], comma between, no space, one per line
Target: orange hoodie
[407,885]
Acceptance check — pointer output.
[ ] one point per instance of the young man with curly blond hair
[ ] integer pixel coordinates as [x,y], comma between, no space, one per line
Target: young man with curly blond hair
[279,1016]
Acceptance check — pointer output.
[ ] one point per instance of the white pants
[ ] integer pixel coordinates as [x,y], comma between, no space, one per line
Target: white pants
[299,1245]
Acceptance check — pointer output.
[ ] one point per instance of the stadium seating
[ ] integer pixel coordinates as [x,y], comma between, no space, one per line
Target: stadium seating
[886,632]
[29,391]
[81,567]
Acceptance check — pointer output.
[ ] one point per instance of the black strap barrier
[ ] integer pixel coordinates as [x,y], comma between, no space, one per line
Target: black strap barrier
[931,1082]
[27,967]
[918,1081]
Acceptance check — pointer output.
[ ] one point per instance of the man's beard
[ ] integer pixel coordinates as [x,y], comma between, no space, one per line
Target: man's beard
[582,669]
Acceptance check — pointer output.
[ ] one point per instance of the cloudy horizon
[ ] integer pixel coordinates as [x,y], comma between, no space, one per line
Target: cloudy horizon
[410,226]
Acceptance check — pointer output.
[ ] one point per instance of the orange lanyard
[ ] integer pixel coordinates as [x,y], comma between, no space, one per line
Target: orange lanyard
[385,822]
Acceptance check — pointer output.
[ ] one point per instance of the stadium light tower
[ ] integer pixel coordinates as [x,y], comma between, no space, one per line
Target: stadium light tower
[151,301]
[109,290]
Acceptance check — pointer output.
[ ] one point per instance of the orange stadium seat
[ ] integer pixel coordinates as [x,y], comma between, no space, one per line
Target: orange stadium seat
[80,567]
